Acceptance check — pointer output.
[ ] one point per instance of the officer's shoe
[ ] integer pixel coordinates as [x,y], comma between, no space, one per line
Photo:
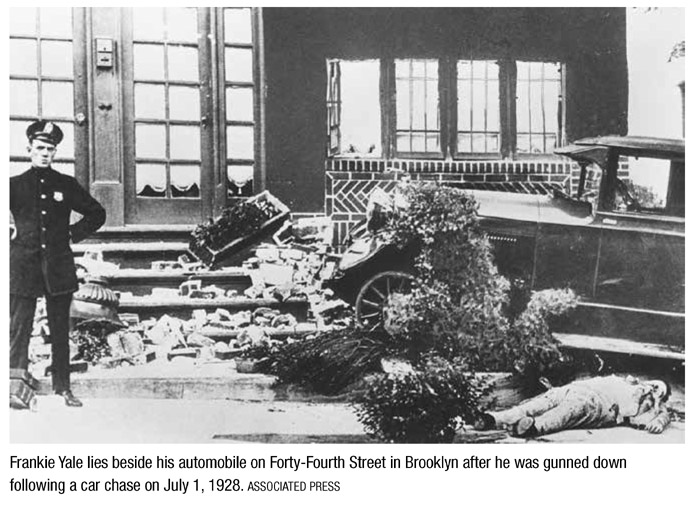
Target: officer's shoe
[70,399]
[525,428]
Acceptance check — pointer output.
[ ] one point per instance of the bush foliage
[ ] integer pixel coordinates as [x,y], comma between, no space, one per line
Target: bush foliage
[461,317]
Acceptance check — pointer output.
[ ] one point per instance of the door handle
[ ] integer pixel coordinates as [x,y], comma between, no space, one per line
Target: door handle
[80,119]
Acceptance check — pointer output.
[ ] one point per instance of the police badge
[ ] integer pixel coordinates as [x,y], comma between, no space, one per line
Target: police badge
[58,196]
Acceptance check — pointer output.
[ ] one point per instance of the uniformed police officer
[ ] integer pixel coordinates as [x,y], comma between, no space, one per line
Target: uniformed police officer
[41,261]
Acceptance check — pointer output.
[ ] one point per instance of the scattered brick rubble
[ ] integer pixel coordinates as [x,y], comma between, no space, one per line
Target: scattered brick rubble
[293,267]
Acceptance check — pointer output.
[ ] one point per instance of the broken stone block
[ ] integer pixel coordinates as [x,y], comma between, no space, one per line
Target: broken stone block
[284,320]
[164,292]
[268,254]
[190,353]
[253,292]
[266,311]
[200,316]
[241,319]
[223,314]
[275,274]
[252,335]
[312,229]
[292,254]
[189,286]
[220,346]
[114,343]
[198,340]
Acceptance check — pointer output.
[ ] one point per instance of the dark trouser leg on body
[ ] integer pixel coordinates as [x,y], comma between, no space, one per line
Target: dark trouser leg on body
[58,311]
[22,310]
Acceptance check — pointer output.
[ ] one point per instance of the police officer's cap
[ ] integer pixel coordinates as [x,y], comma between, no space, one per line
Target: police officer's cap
[46,131]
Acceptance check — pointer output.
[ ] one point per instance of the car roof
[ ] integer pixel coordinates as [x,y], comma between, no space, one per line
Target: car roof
[585,154]
[640,146]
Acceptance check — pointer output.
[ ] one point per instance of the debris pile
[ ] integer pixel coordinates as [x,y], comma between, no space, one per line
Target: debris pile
[287,268]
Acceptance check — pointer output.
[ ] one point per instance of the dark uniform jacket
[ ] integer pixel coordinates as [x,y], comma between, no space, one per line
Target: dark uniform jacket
[41,201]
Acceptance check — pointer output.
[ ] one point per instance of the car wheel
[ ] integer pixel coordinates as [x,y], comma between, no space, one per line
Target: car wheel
[373,296]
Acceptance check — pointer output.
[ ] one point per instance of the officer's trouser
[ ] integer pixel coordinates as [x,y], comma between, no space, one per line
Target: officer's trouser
[22,310]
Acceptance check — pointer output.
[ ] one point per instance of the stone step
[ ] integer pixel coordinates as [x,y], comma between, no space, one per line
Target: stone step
[182,307]
[142,233]
[140,282]
[138,255]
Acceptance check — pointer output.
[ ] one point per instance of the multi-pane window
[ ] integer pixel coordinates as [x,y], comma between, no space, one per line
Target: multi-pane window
[167,102]
[479,129]
[448,108]
[418,126]
[538,106]
[239,87]
[41,80]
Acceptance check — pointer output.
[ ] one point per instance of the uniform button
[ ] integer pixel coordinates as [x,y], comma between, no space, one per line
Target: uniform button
[43,228]
[43,180]
[43,213]
[43,196]
[43,246]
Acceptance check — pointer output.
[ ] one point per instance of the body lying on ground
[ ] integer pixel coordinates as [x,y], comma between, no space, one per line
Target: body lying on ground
[590,403]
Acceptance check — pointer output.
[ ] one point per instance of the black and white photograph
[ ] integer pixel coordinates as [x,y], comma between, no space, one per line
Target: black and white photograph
[329,225]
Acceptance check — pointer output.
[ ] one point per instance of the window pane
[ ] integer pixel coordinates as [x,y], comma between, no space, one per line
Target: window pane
[647,183]
[464,143]
[551,106]
[23,21]
[493,123]
[150,141]
[184,103]
[66,149]
[148,62]
[403,143]
[464,105]
[23,57]
[23,98]
[418,143]
[536,111]
[402,95]
[18,139]
[239,177]
[432,142]
[57,99]
[523,143]
[240,104]
[182,24]
[148,23]
[361,112]
[185,143]
[183,63]
[478,143]
[418,107]
[150,101]
[185,181]
[239,64]
[479,104]
[150,180]
[237,26]
[432,106]
[56,59]
[56,22]
[240,142]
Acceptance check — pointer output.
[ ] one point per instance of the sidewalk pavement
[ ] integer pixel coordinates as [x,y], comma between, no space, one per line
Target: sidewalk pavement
[106,421]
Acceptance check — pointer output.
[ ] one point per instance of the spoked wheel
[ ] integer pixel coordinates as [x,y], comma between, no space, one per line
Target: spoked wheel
[374,293]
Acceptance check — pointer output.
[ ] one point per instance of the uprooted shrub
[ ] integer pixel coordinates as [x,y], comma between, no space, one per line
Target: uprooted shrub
[460,305]
[425,404]
[327,363]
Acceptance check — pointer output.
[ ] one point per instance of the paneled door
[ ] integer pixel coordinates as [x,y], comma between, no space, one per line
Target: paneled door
[168,122]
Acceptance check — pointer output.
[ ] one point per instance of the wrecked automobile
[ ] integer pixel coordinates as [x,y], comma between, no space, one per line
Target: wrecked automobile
[618,242]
